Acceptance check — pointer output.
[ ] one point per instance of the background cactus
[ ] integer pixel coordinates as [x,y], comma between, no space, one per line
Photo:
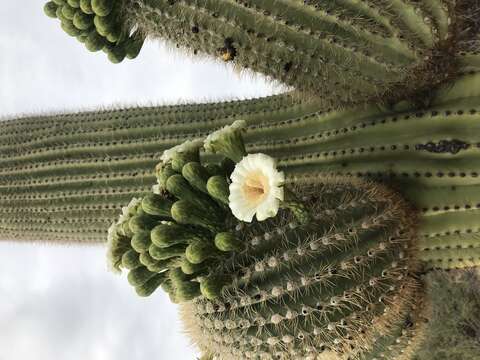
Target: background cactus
[454,328]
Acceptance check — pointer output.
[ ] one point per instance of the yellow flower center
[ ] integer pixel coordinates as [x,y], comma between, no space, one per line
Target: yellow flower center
[255,187]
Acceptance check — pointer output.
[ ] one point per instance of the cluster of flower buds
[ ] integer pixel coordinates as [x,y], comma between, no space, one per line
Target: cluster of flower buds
[99,25]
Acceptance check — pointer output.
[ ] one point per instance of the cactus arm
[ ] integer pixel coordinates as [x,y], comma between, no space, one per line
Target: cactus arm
[344,51]
[327,73]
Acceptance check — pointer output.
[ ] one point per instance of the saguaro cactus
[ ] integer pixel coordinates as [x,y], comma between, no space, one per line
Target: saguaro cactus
[371,177]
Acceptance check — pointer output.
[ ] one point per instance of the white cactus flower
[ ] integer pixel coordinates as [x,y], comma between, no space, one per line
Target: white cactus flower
[256,188]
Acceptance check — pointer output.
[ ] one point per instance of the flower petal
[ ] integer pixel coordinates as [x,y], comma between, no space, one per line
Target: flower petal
[256,188]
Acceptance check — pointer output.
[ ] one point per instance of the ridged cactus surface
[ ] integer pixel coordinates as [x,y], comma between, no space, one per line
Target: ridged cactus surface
[68,175]
[342,52]
[300,290]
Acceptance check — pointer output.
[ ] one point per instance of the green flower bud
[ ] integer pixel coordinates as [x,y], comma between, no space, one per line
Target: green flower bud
[170,290]
[185,212]
[116,54]
[94,42]
[82,37]
[104,25]
[160,266]
[130,260]
[59,14]
[163,173]
[298,209]
[179,187]
[142,223]
[82,21]
[226,241]
[147,259]
[134,44]
[176,275]
[166,235]
[86,6]
[69,28]
[74,3]
[68,11]
[166,253]
[59,2]
[190,269]
[157,205]
[139,276]
[181,154]
[187,290]
[156,265]
[228,141]
[200,250]
[196,175]
[115,254]
[217,187]
[102,7]
[213,169]
[167,286]
[141,241]
[124,229]
[115,34]
[50,9]
[211,287]
[151,285]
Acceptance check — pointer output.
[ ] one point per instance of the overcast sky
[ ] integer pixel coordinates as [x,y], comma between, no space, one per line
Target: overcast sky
[60,302]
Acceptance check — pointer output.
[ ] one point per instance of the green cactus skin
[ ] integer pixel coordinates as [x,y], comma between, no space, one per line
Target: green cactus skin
[342,51]
[299,290]
[290,288]
[52,191]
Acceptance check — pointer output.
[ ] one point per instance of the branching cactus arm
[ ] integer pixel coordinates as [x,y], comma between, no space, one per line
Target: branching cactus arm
[343,52]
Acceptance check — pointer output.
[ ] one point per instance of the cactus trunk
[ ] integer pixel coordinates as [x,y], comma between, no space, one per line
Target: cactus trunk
[66,178]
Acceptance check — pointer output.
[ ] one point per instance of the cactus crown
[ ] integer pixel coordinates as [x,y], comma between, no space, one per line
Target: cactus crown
[333,258]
